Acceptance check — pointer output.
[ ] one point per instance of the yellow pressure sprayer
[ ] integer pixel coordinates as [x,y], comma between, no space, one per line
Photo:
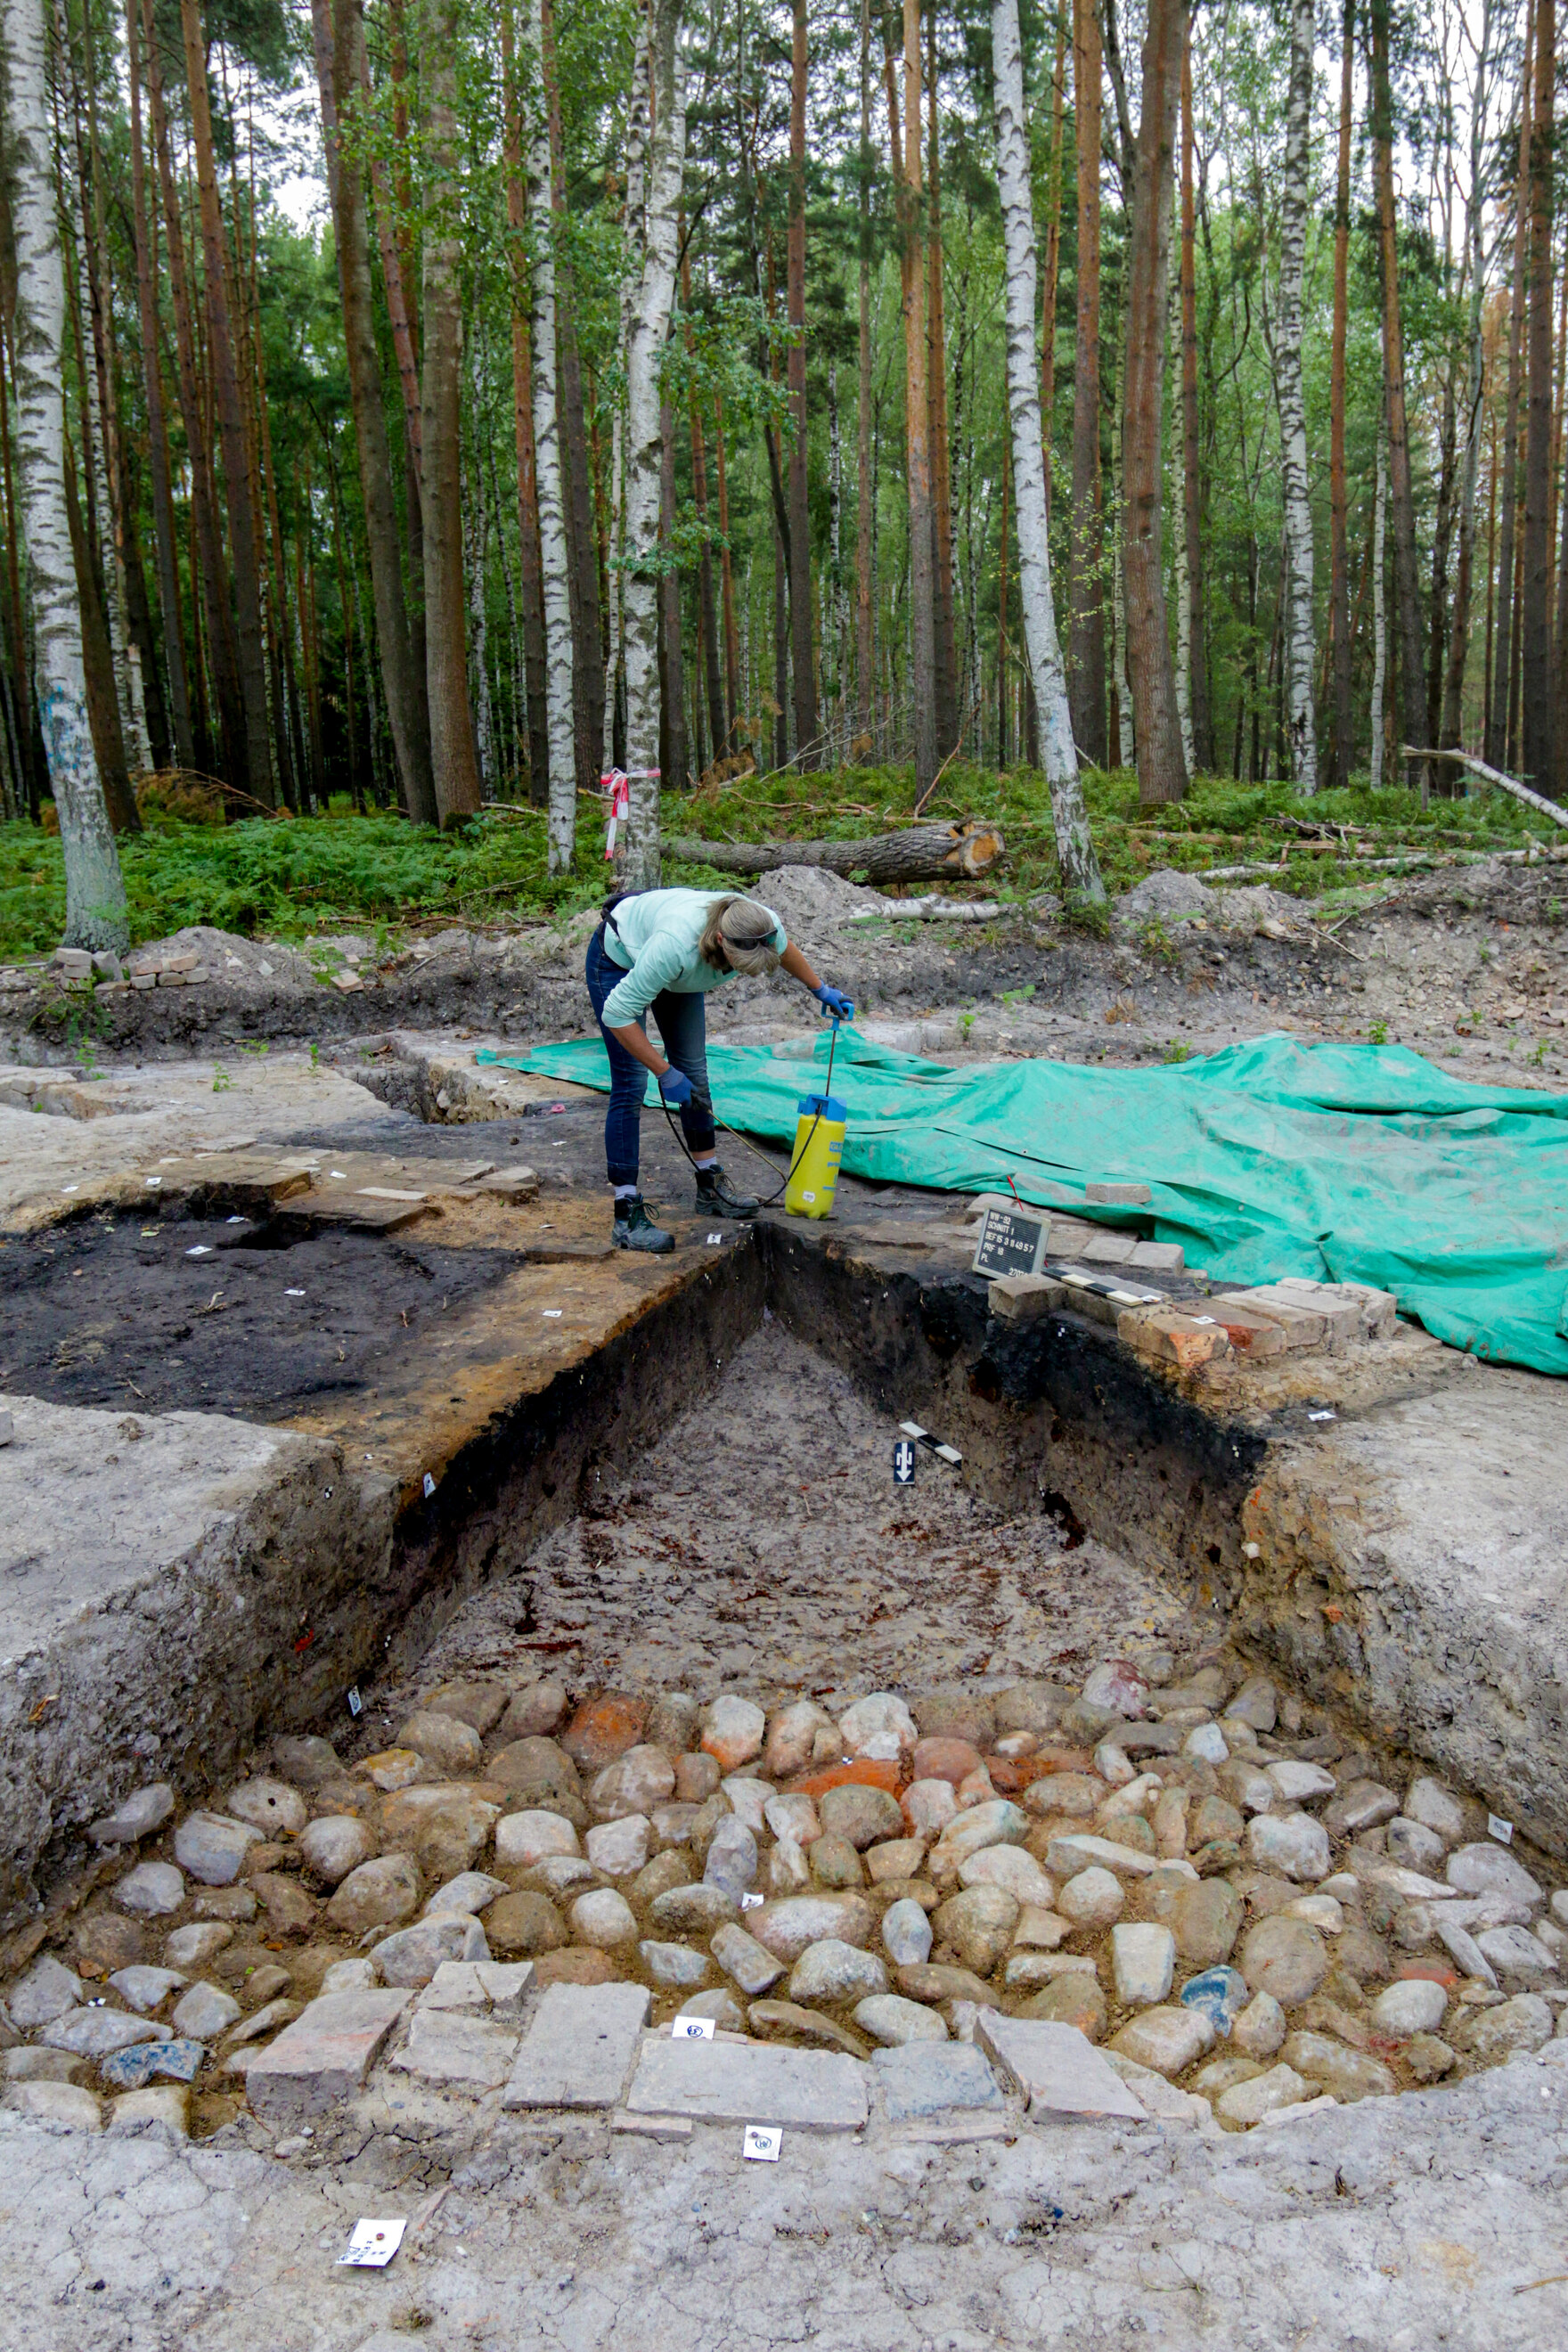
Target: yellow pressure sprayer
[818,1148]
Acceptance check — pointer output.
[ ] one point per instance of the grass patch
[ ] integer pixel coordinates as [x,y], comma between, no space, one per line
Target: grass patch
[289,878]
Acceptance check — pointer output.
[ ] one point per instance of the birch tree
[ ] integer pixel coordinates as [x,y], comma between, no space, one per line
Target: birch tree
[1080,874]
[560,724]
[644,439]
[1300,718]
[95,892]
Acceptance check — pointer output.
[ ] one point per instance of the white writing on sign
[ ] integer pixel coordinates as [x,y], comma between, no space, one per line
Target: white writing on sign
[692,2029]
[763,2142]
[1501,1831]
[373,2244]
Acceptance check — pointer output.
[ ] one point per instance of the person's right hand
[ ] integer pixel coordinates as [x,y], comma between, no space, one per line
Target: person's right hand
[675,1087]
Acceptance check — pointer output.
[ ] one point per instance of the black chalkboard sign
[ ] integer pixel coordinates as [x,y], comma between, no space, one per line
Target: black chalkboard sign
[1009,1244]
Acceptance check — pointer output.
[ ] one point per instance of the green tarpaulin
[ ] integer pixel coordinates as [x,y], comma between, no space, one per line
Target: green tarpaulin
[1358,1164]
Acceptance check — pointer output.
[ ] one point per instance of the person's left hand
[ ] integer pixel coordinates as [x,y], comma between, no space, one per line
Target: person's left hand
[834,1000]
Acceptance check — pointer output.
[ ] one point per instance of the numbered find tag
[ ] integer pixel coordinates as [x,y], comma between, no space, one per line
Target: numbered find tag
[763,2142]
[903,1463]
[373,2244]
[752,1901]
[429,1485]
[692,2029]
[1501,1831]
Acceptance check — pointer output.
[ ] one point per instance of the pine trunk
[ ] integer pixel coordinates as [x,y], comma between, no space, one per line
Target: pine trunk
[1301,721]
[674,761]
[339,31]
[1086,561]
[1162,770]
[649,316]
[95,894]
[1339,539]
[1079,869]
[1540,762]
[707,619]
[916,426]
[1401,498]
[555,566]
[533,580]
[452,758]
[808,748]
[243,532]
[865,642]
[1192,540]
[1496,743]
[941,455]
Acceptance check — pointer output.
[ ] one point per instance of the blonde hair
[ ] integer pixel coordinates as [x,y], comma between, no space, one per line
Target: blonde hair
[739,937]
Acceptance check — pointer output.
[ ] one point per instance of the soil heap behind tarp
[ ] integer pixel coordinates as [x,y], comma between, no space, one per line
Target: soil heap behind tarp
[1360,1163]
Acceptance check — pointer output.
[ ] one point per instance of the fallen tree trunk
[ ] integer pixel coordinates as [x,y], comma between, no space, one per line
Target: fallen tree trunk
[1553,809]
[922,852]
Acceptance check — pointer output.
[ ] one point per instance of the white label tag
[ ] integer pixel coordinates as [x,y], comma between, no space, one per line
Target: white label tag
[429,1485]
[373,2244]
[762,2142]
[715,1239]
[553,1314]
[752,1902]
[692,2029]
[1501,1831]
[356,1704]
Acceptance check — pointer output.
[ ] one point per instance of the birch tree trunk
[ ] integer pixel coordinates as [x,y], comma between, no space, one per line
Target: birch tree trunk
[560,717]
[95,893]
[1081,880]
[1339,538]
[1300,714]
[649,314]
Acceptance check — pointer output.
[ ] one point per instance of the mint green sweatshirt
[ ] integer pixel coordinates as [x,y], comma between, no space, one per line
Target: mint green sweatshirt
[654,937]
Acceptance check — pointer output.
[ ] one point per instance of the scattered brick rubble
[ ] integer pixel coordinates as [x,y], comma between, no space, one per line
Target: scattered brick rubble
[1143,1898]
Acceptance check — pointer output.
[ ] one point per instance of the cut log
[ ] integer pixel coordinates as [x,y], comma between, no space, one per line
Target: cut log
[922,852]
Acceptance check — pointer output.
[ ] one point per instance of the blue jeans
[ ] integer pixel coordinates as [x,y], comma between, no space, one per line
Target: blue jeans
[682,1033]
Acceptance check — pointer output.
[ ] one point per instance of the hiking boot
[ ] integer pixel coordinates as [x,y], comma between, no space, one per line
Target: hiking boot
[717,1197]
[634,1229]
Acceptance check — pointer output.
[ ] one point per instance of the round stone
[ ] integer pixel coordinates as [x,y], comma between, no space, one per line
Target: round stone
[1346,2074]
[978,1924]
[269,1806]
[834,1862]
[604,1919]
[1091,1899]
[906,1933]
[1264,2095]
[1078,1794]
[1207,1742]
[787,1928]
[619,1848]
[731,1861]
[945,1760]
[445,1827]
[634,1783]
[414,1953]
[878,1726]
[205,2012]
[520,1926]
[1435,1809]
[107,1941]
[1074,1999]
[535,1768]
[721,2005]
[152,1890]
[793,1817]
[379,1894]
[211,1848]
[1286,1957]
[732,1732]
[1428,2057]
[1414,1847]
[1414,2005]
[1299,1784]
[672,1722]
[1292,1843]
[1212,1818]
[1489,1869]
[835,1971]
[791,1738]
[1256,1703]
[1166,2039]
[692,1910]
[1205,1921]
[193,1947]
[1522,2023]
[928,1806]
[862,1816]
[999,1822]
[443,1739]
[696,1778]
[1222,2075]
[482,1704]
[673,1964]
[1009,1867]
[47,1992]
[334,1845]
[1259,2027]
[522,1839]
[535,1709]
[748,1798]
[604,1728]
[144,1990]
[1115,1683]
[788,1870]
[1144,1958]
[471,1891]
[889,2019]
[1220,1993]
[136,1816]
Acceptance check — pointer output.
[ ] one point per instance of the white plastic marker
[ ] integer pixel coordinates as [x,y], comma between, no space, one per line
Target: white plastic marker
[715,1238]
[429,1485]
[1501,1831]
[553,1314]
[692,2029]
[373,2244]
[293,1294]
[154,1181]
[751,1902]
[202,1249]
[763,2142]
[356,1704]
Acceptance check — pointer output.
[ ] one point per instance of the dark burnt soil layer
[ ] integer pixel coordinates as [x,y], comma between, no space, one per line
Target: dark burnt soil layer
[252,1316]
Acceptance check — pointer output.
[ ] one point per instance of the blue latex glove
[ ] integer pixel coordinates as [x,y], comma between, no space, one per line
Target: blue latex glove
[834,1000]
[675,1087]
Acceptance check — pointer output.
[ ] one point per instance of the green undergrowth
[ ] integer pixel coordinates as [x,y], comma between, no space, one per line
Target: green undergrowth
[294,876]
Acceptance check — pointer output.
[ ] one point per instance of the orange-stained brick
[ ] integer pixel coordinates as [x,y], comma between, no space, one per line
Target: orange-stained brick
[1430,1972]
[870,1771]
